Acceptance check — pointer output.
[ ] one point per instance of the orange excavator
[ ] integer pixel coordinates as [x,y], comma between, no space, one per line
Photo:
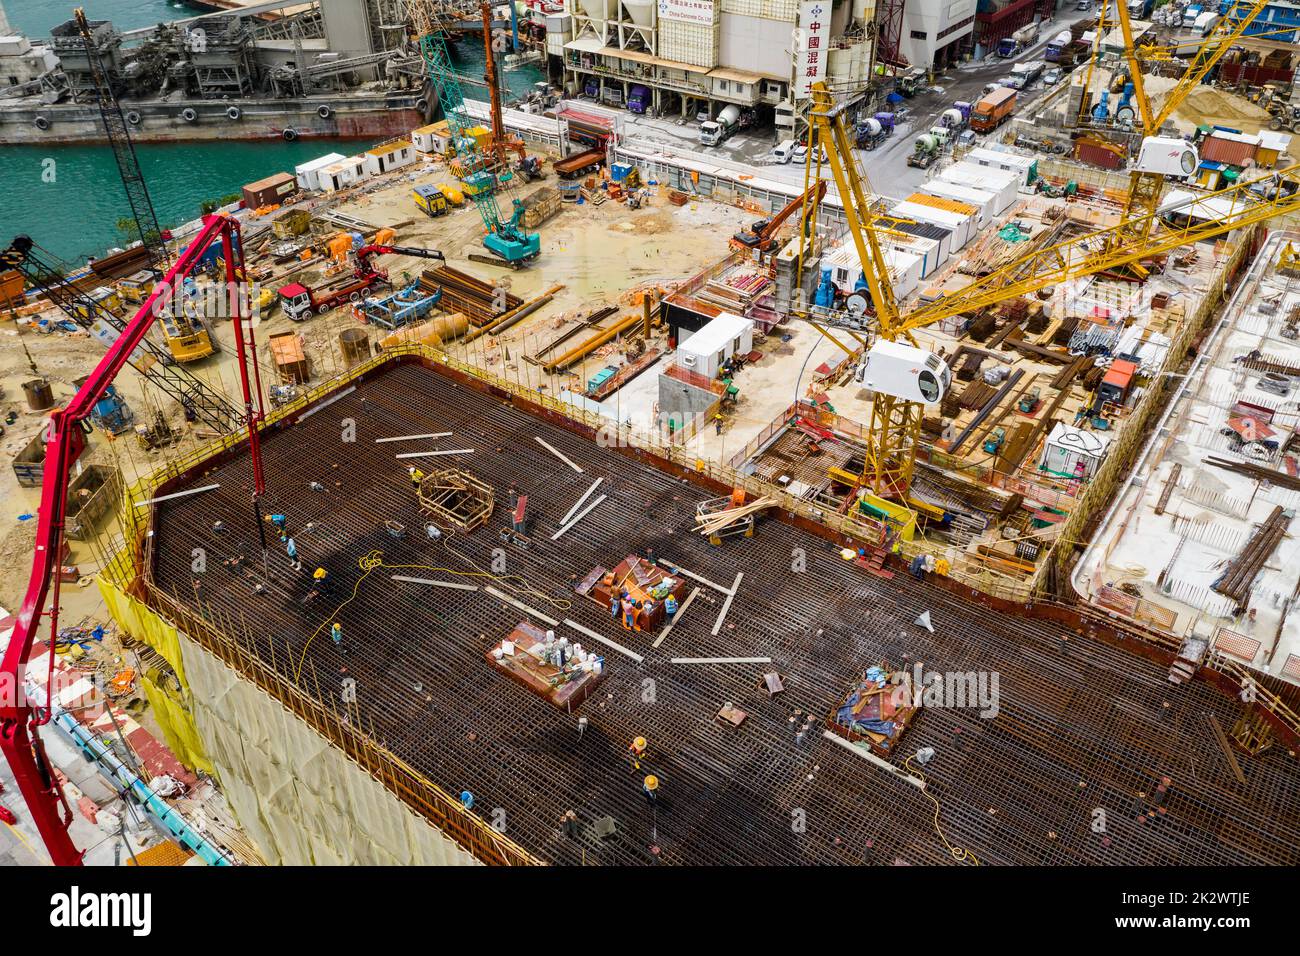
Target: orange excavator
[761,235]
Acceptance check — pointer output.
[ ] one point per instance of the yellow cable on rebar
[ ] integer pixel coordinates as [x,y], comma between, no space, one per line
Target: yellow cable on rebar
[959,853]
[375,559]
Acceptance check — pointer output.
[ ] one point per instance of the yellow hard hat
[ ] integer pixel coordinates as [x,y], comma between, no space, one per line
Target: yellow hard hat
[639,743]
[318,573]
[338,625]
[652,783]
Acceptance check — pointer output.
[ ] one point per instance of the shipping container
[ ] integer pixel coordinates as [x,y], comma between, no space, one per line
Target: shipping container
[1097,155]
[1002,183]
[434,139]
[1234,149]
[271,191]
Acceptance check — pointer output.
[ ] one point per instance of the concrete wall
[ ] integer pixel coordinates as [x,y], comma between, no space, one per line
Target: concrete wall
[932,17]
[299,798]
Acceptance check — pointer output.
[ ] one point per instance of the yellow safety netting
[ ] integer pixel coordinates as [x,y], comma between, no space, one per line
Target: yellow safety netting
[169,706]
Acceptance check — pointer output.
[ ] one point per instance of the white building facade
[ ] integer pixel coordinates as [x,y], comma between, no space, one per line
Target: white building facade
[933,30]
[689,57]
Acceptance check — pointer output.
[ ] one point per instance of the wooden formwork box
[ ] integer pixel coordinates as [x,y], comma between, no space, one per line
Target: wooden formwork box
[457,498]
[541,206]
[289,357]
[91,495]
[292,223]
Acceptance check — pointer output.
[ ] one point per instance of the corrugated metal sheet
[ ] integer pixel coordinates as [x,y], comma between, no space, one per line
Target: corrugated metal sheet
[1232,152]
[1086,152]
[938,202]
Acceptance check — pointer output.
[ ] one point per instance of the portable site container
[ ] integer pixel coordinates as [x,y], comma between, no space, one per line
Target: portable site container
[386,158]
[307,173]
[942,235]
[904,269]
[434,139]
[927,250]
[705,351]
[963,225]
[270,191]
[1025,167]
[1001,182]
[983,200]
[342,174]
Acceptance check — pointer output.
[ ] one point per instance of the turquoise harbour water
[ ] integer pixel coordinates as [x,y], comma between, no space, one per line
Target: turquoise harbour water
[69,198]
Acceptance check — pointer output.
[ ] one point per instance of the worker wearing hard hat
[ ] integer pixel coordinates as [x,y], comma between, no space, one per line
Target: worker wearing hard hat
[417,477]
[636,752]
[336,633]
[650,787]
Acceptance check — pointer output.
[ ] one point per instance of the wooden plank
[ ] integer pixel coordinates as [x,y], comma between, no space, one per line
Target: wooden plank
[1170,484]
[1226,747]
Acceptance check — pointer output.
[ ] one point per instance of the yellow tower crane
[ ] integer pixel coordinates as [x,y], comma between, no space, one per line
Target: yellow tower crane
[1160,157]
[905,377]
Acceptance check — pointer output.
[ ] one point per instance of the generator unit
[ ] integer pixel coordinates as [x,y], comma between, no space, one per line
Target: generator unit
[906,372]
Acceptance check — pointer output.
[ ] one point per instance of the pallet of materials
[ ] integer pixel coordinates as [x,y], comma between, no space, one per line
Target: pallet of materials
[524,658]
[877,709]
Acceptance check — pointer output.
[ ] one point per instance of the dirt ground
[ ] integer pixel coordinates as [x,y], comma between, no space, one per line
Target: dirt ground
[598,254]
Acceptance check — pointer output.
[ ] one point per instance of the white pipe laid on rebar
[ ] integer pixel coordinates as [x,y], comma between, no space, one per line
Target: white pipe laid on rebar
[436,584]
[676,617]
[720,660]
[329,401]
[557,453]
[673,568]
[726,605]
[578,504]
[435,454]
[522,606]
[872,758]
[177,494]
[604,640]
[380,441]
[579,516]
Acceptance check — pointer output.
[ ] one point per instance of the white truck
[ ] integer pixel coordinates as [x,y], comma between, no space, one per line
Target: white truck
[1023,74]
[714,131]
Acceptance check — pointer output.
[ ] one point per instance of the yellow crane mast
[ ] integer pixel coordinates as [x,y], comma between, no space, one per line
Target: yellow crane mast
[905,377]
[1163,156]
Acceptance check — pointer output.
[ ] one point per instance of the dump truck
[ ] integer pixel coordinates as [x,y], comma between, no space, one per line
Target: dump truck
[1023,74]
[993,110]
[716,130]
[571,167]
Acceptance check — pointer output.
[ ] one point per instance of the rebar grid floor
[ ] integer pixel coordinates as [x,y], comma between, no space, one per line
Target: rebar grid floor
[1079,731]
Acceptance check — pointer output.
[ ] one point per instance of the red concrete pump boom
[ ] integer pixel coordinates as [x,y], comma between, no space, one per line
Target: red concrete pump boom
[65,441]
